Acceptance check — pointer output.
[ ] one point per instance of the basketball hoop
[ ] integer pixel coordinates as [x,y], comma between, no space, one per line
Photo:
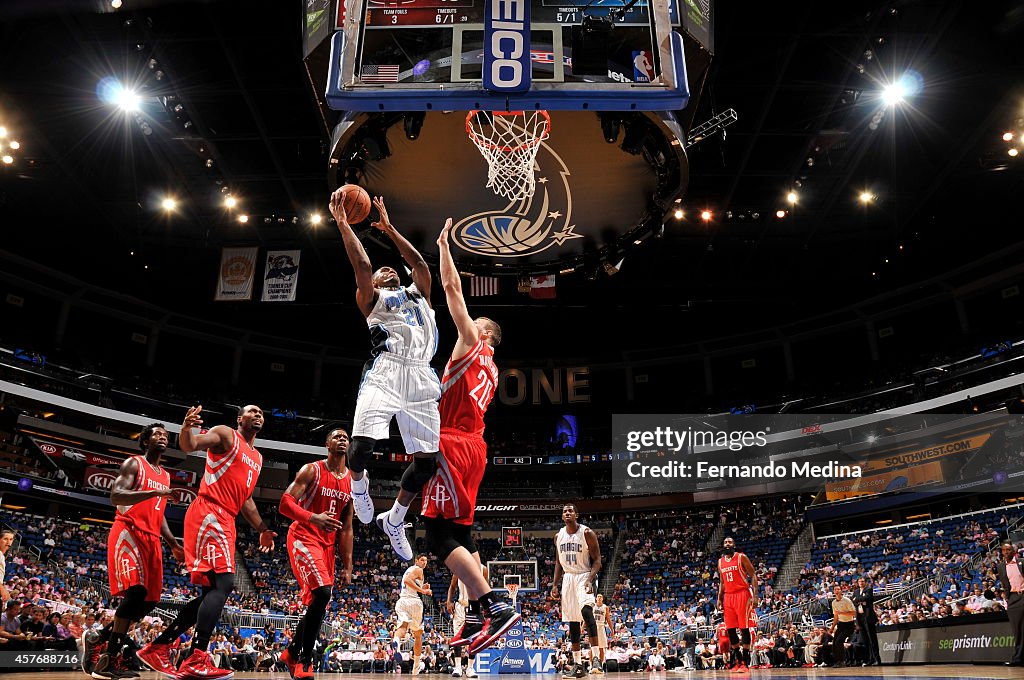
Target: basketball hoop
[513,592]
[509,141]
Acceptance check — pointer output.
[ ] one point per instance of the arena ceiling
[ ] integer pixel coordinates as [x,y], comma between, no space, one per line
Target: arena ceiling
[83,194]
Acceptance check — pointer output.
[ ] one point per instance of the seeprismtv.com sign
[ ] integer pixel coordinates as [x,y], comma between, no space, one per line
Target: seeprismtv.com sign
[986,642]
[847,456]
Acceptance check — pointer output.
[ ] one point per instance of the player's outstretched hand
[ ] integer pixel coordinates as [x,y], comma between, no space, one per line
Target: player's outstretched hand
[193,418]
[267,540]
[325,521]
[384,224]
[337,207]
[178,551]
[442,239]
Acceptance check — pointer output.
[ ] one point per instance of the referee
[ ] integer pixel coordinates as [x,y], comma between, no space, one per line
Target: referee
[1011,573]
[844,618]
[6,539]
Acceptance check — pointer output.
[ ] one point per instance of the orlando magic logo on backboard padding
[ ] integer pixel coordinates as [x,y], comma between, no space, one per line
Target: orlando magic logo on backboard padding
[527,226]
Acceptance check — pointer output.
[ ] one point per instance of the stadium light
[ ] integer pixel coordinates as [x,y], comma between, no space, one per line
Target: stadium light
[7,159]
[316,218]
[706,215]
[678,214]
[116,4]
[780,213]
[243,218]
[127,100]
[230,202]
[168,204]
[3,132]
[1007,136]
[866,197]
[907,85]
[1013,152]
[15,145]
[792,198]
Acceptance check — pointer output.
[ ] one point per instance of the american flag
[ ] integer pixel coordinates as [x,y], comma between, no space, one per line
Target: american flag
[483,285]
[379,73]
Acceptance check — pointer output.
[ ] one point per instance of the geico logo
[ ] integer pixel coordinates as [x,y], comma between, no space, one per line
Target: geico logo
[100,480]
[508,42]
[514,643]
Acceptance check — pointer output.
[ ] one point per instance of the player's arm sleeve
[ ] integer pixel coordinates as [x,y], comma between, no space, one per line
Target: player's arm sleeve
[289,506]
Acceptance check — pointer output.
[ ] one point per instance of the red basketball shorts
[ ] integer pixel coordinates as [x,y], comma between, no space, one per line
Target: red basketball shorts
[737,609]
[451,492]
[209,540]
[312,563]
[134,558]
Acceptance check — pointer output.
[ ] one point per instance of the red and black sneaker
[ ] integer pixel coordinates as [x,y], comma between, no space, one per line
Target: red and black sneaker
[92,650]
[494,628]
[470,629]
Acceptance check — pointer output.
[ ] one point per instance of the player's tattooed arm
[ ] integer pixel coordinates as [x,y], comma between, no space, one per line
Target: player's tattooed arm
[365,293]
[412,257]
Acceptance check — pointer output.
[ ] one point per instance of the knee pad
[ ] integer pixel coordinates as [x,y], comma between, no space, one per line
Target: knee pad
[744,636]
[360,452]
[574,632]
[133,605]
[440,537]
[418,473]
[588,618]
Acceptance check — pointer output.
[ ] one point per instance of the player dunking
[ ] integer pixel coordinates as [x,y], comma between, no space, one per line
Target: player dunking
[319,503]
[737,595]
[458,608]
[135,561]
[409,609]
[449,498]
[232,469]
[397,381]
[579,561]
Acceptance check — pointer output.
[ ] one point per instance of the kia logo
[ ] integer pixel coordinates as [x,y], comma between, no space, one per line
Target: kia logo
[48,448]
[185,496]
[104,481]
[514,643]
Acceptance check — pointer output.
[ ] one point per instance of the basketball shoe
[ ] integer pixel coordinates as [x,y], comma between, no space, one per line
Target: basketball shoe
[362,502]
[303,670]
[470,629]
[500,620]
[290,661]
[199,666]
[397,534]
[158,658]
[92,650]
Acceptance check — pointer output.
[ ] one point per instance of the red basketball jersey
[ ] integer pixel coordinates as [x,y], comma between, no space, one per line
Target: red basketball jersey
[467,389]
[327,493]
[723,635]
[230,477]
[147,515]
[734,579]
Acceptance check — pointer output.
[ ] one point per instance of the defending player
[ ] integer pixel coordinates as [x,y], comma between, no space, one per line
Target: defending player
[449,498]
[135,561]
[737,595]
[579,562]
[318,497]
[232,469]
[409,609]
[397,381]
[458,608]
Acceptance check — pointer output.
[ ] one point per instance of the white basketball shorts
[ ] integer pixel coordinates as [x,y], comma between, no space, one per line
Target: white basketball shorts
[410,610]
[403,389]
[575,596]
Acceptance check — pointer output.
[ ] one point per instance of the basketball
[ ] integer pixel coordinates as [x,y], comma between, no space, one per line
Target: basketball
[357,203]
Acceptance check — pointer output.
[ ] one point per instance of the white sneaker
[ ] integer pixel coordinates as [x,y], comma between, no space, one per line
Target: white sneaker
[362,502]
[471,674]
[456,673]
[399,538]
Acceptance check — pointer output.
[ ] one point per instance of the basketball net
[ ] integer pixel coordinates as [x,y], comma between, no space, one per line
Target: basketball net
[509,141]
[513,592]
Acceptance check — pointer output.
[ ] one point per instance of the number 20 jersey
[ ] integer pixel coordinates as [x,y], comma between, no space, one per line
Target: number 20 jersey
[467,388]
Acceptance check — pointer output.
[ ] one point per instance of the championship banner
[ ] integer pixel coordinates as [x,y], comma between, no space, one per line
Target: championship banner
[282,277]
[237,267]
[918,475]
[896,460]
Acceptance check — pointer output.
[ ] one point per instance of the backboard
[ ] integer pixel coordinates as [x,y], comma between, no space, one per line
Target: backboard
[504,55]
[524,573]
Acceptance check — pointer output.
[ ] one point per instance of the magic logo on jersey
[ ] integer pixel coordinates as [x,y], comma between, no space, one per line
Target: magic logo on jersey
[529,226]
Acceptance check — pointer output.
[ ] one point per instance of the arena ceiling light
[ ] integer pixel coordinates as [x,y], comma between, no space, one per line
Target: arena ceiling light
[230,202]
[3,132]
[243,218]
[1007,136]
[904,87]
[316,218]
[678,214]
[15,145]
[7,159]
[1012,152]
[792,198]
[866,197]
[706,215]
[168,203]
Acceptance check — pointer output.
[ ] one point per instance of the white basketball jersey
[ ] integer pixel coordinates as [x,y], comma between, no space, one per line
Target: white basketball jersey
[599,613]
[573,552]
[406,591]
[402,323]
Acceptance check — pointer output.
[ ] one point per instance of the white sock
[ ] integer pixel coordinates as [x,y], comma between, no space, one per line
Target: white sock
[360,485]
[577,656]
[397,514]
[458,663]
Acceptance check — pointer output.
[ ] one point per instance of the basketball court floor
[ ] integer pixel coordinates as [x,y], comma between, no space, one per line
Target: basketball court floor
[940,672]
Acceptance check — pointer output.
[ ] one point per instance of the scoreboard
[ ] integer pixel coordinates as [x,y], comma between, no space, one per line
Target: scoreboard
[512,460]
[398,13]
[511,537]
